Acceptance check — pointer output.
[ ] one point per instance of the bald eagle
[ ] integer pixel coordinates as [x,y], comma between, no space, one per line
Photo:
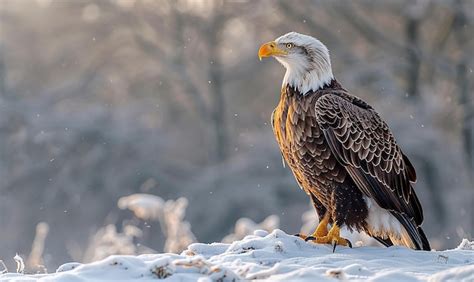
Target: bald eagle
[341,152]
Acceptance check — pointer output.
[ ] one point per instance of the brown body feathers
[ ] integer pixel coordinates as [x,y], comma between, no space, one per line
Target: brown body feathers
[345,157]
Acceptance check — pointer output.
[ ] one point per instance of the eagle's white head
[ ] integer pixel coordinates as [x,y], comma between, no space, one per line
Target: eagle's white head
[306,59]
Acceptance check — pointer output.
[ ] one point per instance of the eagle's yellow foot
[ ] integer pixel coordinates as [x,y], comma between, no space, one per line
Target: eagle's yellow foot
[333,238]
[320,231]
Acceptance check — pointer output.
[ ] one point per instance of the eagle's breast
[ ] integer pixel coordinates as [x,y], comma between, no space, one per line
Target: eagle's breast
[303,144]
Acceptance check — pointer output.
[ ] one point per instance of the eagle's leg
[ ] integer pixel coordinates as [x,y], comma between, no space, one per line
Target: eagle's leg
[320,231]
[333,237]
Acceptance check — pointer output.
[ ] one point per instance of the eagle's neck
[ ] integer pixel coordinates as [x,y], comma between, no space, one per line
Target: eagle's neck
[307,81]
[308,75]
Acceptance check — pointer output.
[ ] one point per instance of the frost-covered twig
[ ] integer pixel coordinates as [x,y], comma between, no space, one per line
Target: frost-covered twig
[178,231]
[5,269]
[246,226]
[144,206]
[20,265]
[107,241]
[35,259]
[170,214]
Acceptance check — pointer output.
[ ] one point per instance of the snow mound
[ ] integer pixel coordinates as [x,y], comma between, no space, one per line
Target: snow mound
[466,245]
[274,256]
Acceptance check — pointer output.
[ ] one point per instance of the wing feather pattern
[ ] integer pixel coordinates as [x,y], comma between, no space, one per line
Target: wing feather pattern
[362,142]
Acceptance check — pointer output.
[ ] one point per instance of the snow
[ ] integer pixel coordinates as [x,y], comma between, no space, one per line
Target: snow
[274,256]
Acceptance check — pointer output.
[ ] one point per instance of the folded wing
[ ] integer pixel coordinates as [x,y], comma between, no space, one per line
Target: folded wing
[362,142]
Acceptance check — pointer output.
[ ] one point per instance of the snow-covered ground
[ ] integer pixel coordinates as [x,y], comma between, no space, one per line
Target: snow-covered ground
[276,256]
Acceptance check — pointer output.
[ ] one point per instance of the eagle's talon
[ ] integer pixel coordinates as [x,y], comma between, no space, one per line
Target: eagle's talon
[333,238]
[302,236]
[349,243]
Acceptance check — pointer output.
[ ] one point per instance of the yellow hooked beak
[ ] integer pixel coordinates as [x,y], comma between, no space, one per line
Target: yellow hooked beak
[270,49]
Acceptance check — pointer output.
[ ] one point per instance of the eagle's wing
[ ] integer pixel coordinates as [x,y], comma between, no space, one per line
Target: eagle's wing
[274,132]
[365,146]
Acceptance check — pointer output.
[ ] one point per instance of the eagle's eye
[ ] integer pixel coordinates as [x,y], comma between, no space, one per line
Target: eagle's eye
[289,45]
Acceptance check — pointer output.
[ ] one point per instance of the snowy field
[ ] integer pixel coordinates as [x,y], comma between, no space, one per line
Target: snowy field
[277,257]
